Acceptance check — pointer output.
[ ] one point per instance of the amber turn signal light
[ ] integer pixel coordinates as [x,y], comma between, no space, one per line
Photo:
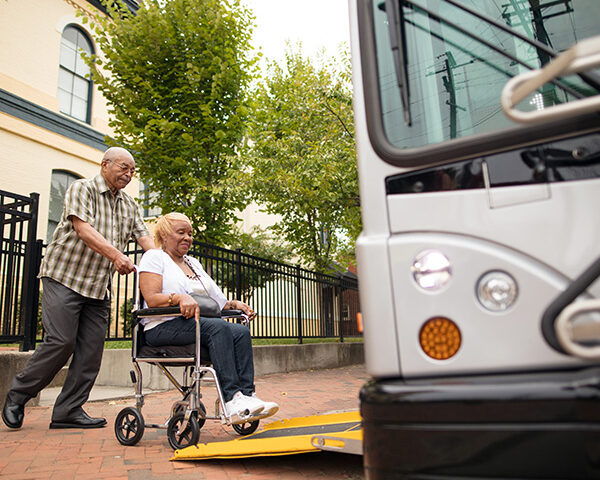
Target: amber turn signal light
[440,338]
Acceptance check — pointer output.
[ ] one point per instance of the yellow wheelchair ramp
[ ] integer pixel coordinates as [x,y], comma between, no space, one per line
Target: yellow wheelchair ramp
[335,432]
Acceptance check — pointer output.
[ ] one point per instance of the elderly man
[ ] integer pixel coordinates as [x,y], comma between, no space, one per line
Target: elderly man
[97,222]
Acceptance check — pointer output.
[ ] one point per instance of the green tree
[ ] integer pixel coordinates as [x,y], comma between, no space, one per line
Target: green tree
[176,76]
[303,157]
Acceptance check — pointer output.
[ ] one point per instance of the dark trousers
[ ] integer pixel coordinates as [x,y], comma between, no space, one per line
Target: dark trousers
[74,325]
[229,346]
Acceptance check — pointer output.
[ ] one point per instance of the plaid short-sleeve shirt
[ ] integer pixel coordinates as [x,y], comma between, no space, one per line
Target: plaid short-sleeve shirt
[117,218]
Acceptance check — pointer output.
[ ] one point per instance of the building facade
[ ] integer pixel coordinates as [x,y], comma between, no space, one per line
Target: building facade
[53,119]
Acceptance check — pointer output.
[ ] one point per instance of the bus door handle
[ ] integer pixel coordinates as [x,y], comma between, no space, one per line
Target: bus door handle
[584,55]
[501,197]
[564,304]
[571,335]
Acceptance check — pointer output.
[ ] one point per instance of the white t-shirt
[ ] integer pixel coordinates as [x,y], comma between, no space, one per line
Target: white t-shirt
[175,281]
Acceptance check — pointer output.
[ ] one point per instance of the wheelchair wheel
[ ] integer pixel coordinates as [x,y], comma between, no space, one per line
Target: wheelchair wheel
[129,426]
[188,437]
[201,418]
[246,428]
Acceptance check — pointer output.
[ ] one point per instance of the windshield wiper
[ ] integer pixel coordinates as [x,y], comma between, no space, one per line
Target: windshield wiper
[395,15]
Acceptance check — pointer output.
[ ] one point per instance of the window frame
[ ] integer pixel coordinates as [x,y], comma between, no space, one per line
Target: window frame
[90,83]
[145,195]
[54,172]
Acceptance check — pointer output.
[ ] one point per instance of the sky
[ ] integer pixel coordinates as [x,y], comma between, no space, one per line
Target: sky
[316,23]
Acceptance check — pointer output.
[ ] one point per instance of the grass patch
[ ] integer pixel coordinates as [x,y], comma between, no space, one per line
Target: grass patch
[115,344]
[294,341]
[126,344]
[255,341]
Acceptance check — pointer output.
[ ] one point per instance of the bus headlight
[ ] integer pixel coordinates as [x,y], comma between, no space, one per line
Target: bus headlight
[431,270]
[497,291]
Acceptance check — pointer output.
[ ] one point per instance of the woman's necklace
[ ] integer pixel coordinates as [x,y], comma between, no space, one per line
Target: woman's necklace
[194,275]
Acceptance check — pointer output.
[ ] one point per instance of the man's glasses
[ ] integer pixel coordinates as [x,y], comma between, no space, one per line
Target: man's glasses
[124,168]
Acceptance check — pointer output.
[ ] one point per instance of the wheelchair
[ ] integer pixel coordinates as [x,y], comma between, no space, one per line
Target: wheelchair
[188,415]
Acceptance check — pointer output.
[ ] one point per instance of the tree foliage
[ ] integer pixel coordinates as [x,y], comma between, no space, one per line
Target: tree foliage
[303,157]
[175,76]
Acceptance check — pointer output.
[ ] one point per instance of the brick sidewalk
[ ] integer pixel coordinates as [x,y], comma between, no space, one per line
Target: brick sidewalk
[36,452]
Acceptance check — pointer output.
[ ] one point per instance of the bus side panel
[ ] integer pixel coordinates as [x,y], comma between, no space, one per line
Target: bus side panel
[380,340]
[381,347]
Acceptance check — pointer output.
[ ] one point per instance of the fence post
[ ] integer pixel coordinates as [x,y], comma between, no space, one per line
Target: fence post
[29,293]
[299,301]
[35,304]
[238,275]
[340,290]
[10,246]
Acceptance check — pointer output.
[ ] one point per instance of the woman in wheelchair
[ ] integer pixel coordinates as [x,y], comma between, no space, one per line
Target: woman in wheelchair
[168,276]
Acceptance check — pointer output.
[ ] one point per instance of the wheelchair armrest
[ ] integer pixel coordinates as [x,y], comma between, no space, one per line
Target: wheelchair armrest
[158,311]
[155,312]
[173,311]
[238,315]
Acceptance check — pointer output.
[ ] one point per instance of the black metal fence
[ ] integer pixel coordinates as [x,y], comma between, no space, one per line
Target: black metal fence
[20,255]
[291,302]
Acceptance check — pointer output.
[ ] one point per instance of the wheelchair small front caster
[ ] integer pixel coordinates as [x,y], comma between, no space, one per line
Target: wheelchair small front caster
[246,428]
[188,437]
[129,426]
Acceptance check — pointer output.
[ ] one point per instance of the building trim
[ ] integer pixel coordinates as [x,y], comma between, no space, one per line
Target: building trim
[30,112]
[132,5]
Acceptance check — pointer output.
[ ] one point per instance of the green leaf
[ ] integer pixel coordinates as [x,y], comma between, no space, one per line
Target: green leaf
[175,98]
[303,160]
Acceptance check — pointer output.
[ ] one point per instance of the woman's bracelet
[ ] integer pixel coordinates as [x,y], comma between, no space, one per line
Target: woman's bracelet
[171,296]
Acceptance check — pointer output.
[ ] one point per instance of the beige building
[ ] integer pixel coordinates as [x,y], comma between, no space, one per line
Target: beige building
[53,120]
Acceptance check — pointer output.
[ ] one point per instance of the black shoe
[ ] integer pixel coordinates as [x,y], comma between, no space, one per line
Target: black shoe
[80,420]
[13,413]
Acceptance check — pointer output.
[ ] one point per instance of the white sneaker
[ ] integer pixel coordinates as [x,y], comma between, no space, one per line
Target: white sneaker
[270,408]
[257,404]
[241,407]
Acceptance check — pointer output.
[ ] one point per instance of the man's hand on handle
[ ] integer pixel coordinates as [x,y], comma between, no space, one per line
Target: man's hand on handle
[123,264]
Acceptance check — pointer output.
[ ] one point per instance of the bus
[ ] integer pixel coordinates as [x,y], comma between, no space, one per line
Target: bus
[478,144]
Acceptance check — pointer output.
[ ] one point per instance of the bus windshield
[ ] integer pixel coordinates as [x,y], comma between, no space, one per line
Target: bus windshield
[445,79]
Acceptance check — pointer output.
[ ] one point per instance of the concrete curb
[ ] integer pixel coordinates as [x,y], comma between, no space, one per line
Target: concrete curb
[268,359]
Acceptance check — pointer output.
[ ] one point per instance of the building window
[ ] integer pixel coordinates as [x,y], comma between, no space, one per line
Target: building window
[147,196]
[345,312]
[61,181]
[74,82]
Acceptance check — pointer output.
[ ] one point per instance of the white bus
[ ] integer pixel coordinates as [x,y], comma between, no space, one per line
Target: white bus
[481,223]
